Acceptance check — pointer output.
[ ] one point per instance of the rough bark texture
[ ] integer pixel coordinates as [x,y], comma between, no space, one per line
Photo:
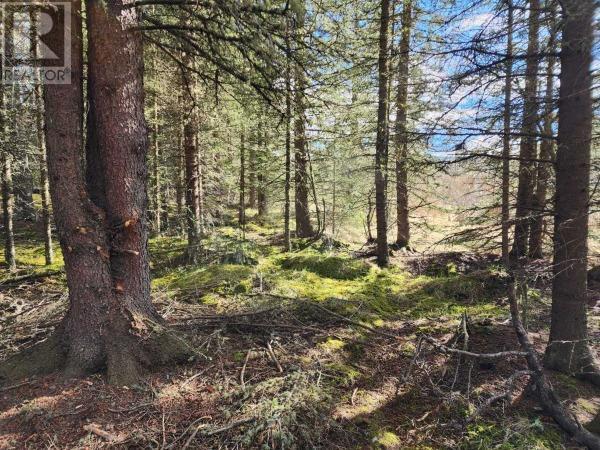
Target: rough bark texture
[505,217]
[544,168]
[528,148]
[80,224]
[381,144]
[111,322]
[8,200]
[568,349]
[401,137]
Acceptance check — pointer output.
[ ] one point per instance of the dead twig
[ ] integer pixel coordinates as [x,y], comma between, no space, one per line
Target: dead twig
[244,370]
[273,357]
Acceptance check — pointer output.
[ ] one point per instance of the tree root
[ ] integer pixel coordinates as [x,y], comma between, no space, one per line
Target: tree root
[547,396]
[127,355]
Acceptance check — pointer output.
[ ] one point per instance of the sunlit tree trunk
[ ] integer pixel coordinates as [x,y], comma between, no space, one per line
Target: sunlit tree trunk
[381,144]
[544,167]
[528,148]
[401,138]
[568,349]
[8,199]
[506,137]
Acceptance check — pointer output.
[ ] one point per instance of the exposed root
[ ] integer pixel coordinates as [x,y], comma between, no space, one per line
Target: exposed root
[42,358]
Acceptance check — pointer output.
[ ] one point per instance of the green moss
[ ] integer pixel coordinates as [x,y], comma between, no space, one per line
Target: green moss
[332,344]
[326,266]
[222,279]
[343,374]
[387,440]
[519,435]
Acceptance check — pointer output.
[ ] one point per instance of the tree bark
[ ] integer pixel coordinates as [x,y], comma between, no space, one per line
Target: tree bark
[252,191]
[287,241]
[528,148]
[381,144]
[261,178]
[242,203]
[80,224]
[8,200]
[192,194]
[546,153]
[401,138]
[568,349]
[41,143]
[304,226]
[156,170]
[505,215]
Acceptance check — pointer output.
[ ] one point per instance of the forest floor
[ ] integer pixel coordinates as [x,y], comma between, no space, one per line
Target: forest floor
[317,348]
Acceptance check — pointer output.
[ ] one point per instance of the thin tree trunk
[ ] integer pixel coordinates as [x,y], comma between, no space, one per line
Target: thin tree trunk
[334,196]
[382,137]
[546,152]
[39,125]
[288,142]
[180,186]
[156,170]
[8,200]
[568,349]
[528,148]
[242,203]
[252,174]
[261,179]
[505,215]
[192,197]
[200,175]
[304,226]
[401,141]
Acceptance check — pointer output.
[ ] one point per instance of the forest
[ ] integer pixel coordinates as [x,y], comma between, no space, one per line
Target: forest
[300,224]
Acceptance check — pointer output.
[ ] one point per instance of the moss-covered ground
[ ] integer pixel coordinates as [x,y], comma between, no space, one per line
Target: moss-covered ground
[315,348]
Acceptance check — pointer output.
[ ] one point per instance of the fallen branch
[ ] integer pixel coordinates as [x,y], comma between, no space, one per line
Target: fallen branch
[273,357]
[95,429]
[8,282]
[507,394]
[445,349]
[548,398]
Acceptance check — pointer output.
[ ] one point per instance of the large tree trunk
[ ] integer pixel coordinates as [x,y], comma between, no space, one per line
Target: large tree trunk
[381,144]
[8,199]
[505,215]
[568,349]
[401,141]
[528,148]
[544,167]
[111,322]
